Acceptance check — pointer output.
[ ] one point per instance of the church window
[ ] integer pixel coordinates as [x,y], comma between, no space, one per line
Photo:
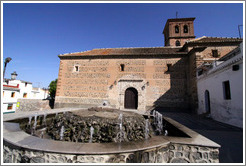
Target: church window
[76,68]
[185,29]
[226,90]
[177,43]
[122,67]
[169,67]
[215,53]
[176,29]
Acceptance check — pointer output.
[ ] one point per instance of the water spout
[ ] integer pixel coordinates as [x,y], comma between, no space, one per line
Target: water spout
[62,133]
[146,128]
[30,120]
[166,133]
[44,120]
[91,134]
[42,134]
[158,121]
[35,121]
[120,134]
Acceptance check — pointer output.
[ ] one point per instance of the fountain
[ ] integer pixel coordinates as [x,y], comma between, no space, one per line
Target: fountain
[103,135]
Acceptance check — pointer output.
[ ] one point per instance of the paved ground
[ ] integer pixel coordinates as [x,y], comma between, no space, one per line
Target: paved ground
[229,137]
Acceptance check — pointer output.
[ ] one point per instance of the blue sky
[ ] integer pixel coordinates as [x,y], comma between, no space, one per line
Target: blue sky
[34,34]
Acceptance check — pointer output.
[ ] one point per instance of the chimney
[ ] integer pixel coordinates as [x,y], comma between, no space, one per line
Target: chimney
[13,75]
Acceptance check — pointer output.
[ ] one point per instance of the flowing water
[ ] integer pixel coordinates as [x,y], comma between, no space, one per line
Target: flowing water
[62,133]
[91,134]
[146,128]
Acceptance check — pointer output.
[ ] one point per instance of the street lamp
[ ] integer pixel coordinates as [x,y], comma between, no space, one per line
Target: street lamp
[7,60]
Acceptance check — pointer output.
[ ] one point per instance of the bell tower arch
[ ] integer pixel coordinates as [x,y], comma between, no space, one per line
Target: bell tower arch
[178,29]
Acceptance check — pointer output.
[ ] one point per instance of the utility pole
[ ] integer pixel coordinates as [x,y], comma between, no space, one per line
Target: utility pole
[239,31]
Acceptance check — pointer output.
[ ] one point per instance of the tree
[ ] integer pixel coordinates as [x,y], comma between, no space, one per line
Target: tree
[52,89]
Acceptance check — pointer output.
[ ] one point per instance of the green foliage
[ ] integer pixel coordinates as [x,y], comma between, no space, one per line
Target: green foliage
[52,89]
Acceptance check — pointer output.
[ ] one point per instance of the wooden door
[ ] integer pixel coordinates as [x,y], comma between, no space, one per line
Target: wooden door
[131,98]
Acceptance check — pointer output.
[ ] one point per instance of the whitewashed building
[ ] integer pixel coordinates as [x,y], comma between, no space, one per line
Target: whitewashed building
[220,88]
[17,89]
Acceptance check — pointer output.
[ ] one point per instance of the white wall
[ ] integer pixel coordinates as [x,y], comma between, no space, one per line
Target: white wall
[23,88]
[7,99]
[226,111]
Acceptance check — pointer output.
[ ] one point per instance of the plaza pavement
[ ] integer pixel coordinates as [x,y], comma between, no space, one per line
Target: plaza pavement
[229,137]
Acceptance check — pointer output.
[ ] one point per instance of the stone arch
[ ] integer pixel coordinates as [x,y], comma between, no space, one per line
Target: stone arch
[132,81]
[131,98]
[177,43]
[185,29]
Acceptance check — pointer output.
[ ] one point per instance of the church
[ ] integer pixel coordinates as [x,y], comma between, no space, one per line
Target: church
[141,78]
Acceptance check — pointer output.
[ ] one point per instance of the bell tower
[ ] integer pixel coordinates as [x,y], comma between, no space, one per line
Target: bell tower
[178,30]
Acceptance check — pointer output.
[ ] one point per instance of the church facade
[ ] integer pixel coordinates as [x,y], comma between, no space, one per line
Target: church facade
[140,78]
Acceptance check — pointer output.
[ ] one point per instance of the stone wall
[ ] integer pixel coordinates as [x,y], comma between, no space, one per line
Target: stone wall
[33,104]
[172,153]
[99,80]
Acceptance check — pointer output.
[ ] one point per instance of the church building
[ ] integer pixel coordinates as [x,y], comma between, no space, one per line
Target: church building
[141,78]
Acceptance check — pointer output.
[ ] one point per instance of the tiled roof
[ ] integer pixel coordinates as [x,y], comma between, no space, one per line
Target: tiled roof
[181,19]
[206,39]
[127,51]
[11,87]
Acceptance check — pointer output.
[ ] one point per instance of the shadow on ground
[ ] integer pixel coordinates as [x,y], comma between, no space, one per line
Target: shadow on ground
[229,137]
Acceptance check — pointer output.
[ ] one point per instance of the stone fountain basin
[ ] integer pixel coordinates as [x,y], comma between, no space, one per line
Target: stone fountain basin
[161,149]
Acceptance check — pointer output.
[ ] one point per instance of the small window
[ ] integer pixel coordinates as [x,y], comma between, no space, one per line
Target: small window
[25,95]
[10,106]
[185,29]
[122,67]
[176,29]
[13,94]
[177,43]
[215,53]
[169,67]
[226,90]
[76,68]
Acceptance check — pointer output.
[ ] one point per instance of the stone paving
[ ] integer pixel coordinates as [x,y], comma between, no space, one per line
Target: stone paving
[229,137]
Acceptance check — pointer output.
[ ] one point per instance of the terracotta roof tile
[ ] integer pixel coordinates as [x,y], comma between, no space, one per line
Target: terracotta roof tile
[127,51]
[206,39]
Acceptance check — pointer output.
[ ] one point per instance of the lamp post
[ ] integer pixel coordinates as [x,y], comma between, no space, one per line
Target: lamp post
[7,60]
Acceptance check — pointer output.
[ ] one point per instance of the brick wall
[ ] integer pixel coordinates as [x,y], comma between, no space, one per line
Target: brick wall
[98,80]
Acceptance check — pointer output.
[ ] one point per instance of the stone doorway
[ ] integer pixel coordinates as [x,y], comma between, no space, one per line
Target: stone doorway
[131,98]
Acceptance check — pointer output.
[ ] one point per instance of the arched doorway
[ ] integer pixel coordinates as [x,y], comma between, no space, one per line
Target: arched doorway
[207,102]
[131,98]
